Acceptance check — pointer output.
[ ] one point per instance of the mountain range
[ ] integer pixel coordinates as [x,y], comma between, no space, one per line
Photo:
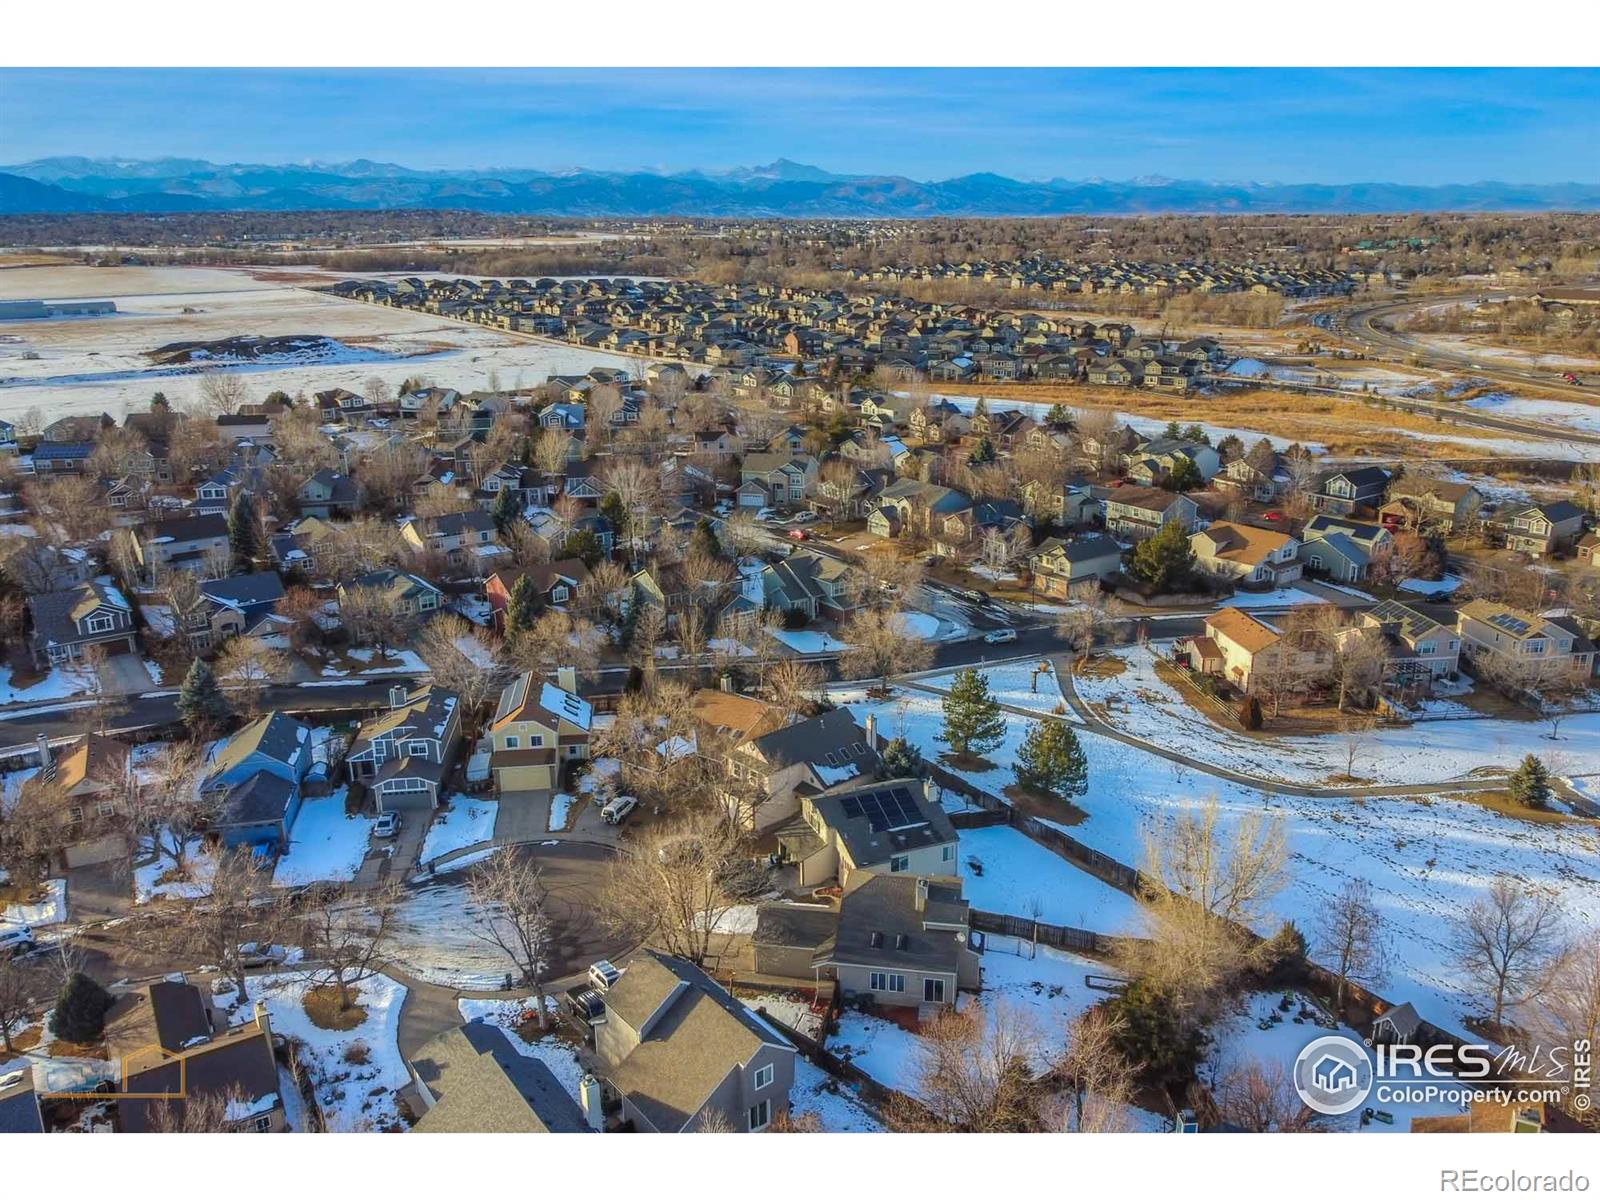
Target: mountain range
[779,189]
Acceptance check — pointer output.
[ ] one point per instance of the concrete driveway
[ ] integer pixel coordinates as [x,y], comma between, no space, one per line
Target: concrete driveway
[125,674]
[394,858]
[523,817]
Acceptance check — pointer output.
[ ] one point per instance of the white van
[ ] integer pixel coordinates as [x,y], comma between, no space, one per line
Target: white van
[615,812]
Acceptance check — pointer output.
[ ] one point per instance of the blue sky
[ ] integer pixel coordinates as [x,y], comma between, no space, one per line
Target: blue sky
[1336,126]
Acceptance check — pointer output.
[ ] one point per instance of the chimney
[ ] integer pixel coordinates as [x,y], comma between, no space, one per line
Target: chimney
[872,732]
[922,894]
[589,1099]
[567,679]
[932,792]
[262,1023]
[726,682]
[397,696]
[43,743]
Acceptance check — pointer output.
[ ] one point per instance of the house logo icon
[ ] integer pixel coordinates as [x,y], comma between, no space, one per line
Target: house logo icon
[1333,1075]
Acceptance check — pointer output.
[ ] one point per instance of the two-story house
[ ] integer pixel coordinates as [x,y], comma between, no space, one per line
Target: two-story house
[328,492]
[1339,548]
[536,727]
[555,583]
[1430,504]
[1421,651]
[1350,490]
[228,607]
[84,786]
[1060,567]
[675,1048]
[813,584]
[1521,646]
[1136,513]
[180,544]
[464,538]
[878,827]
[256,780]
[774,480]
[1540,530]
[763,772]
[68,622]
[1246,554]
[410,594]
[402,754]
[1243,650]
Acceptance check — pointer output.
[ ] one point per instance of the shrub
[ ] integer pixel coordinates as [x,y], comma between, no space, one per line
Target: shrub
[80,1012]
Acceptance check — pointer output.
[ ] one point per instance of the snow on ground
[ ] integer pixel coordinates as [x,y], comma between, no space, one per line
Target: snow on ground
[881,1048]
[918,625]
[560,806]
[1426,857]
[1281,597]
[1148,707]
[1015,684]
[1240,1040]
[1583,417]
[468,823]
[49,909]
[59,684]
[808,641]
[352,1095]
[600,775]
[395,662]
[434,937]
[830,1101]
[475,652]
[510,1015]
[1043,989]
[325,845]
[730,647]
[148,883]
[793,1009]
[1018,871]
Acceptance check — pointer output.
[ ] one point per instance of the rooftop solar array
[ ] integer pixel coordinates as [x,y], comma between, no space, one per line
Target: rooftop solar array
[1511,624]
[886,808]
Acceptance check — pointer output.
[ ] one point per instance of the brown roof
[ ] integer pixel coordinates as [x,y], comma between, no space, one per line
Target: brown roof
[1243,630]
[742,716]
[1148,499]
[1244,543]
[93,758]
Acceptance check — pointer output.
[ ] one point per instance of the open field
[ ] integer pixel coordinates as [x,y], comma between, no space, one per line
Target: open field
[100,364]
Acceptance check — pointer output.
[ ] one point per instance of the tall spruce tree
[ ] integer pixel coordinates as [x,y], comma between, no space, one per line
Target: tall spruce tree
[201,702]
[1051,760]
[1529,784]
[505,509]
[244,531]
[80,1011]
[973,722]
[522,609]
[1166,558]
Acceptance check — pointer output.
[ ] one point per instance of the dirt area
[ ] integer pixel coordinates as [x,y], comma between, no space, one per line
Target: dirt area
[1045,806]
[322,1006]
[1101,666]
[1500,801]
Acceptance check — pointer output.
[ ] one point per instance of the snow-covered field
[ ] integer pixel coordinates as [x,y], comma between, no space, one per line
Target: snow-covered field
[1138,702]
[59,684]
[1426,857]
[325,845]
[1017,685]
[468,823]
[1017,871]
[49,909]
[809,641]
[99,364]
[1583,417]
[834,1106]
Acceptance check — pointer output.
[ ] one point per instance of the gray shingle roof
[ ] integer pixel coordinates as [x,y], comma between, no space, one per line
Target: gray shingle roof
[482,1084]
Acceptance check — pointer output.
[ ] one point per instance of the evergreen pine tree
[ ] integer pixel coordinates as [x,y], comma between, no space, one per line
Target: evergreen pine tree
[244,535]
[522,609]
[1529,784]
[1051,760]
[900,759]
[981,408]
[80,1012]
[1183,477]
[973,723]
[505,509]
[1165,559]
[705,538]
[201,702]
[583,544]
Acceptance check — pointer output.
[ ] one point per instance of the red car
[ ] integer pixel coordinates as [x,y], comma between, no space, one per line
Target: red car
[1272,516]
[800,535]
[1570,377]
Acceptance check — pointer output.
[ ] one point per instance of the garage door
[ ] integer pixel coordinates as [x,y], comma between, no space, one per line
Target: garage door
[535,777]
[87,854]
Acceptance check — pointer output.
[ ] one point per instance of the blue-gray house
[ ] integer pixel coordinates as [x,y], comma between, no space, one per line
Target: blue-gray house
[258,777]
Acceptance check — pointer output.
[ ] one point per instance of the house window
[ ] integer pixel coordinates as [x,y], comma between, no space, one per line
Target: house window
[535,740]
[512,741]
[263,1125]
[933,991]
[760,1115]
[105,808]
[763,1077]
[883,981]
[947,853]
[899,862]
[417,748]
[99,624]
[558,594]
[75,814]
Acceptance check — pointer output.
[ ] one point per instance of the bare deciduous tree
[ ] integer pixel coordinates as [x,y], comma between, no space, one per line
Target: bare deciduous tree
[974,1072]
[511,911]
[1262,1098]
[1350,937]
[881,646]
[669,893]
[1509,939]
[246,667]
[347,937]
[241,909]
[1100,1079]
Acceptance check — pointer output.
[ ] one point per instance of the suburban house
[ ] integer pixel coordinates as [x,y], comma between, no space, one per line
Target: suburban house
[464,538]
[1350,490]
[1522,645]
[67,623]
[228,607]
[1060,566]
[1153,461]
[555,583]
[911,506]
[257,777]
[961,533]
[1421,650]
[772,480]
[888,827]
[1539,530]
[171,1040]
[471,1079]
[88,783]
[402,754]
[1136,513]
[180,544]
[898,940]
[1237,647]
[1340,548]
[1430,504]
[328,492]
[1247,554]
[763,772]
[410,594]
[1258,481]
[812,584]
[1069,503]
[538,726]
[676,1048]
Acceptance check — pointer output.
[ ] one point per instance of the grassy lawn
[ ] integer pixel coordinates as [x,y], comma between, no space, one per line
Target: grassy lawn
[322,1006]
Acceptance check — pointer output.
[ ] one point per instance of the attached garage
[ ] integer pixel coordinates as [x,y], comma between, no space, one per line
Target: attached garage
[524,770]
[100,850]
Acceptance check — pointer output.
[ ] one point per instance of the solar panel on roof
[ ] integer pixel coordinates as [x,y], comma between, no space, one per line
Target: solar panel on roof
[888,808]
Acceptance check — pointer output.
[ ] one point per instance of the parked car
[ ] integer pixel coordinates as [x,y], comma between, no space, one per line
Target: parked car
[16,940]
[603,975]
[617,811]
[995,636]
[254,954]
[1272,516]
[799,535]
[805,517]
[388,825]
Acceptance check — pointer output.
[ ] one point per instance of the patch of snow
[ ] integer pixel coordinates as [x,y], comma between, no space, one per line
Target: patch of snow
[325,845]
[468,823]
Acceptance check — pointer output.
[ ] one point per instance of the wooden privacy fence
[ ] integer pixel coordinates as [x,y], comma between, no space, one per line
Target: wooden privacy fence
[1061,937]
